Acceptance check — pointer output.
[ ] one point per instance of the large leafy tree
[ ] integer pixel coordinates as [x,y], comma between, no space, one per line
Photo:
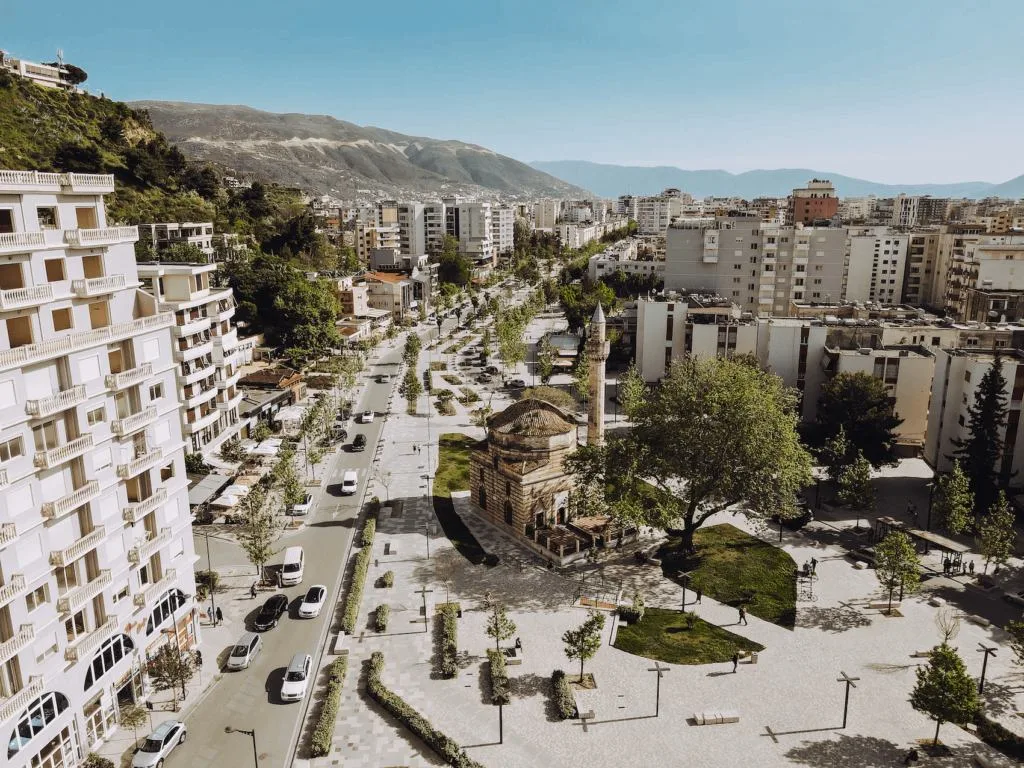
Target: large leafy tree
[953,505]
[453,267]
[944,690]
[855,488]
[897,565]
[980,451]
[716,434]
[996,533]
[859,404]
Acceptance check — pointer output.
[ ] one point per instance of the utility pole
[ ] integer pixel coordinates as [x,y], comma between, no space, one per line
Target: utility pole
[660,670]
[423,591]
[850,683]
[209,568]
[988,651]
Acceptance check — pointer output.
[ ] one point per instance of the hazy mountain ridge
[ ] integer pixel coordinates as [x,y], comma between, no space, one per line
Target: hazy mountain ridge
[614,180]
[322,153]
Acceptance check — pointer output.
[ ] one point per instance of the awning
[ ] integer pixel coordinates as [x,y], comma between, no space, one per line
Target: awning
[206,488]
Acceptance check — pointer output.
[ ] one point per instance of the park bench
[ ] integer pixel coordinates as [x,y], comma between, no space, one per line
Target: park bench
[513,656]
[981,621]
[389,549]
[883,605]
[921,655]
[715,718]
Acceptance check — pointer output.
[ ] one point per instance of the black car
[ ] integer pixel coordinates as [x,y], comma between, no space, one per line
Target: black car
[359,444]
[270,613]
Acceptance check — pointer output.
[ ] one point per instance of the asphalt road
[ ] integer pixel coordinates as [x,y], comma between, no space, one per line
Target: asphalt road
[249,699]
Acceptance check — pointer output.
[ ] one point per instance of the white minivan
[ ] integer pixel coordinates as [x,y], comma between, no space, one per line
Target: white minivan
[349,481]
[293,566]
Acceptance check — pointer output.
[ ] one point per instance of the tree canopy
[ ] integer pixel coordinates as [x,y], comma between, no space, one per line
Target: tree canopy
[953,505]
[944,691]
[979,453]
[859,404]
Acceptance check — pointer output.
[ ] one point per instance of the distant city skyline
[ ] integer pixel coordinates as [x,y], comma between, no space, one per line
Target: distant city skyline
[908,92]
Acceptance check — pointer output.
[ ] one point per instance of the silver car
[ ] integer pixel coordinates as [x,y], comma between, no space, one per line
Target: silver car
[244,651]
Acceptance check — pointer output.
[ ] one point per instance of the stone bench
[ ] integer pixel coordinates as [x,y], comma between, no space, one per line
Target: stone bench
[513,656]
[883,605]
[715,718]
[389,549]
[921,655]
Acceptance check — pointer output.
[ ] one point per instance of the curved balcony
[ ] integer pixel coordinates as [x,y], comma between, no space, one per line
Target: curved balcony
[98,286]
[201,369]
[68,555]
[60,507]
[62,401]
[199,350]
[202,422]
[191,327]
[203,396]
[79,596]
[23,298]
[133,423]
[19,701]
[8,533]
[232,403]
[230,381]
[228,341]
[137,510]
[129,378]
[96,238]
[153,591]
[139,464]
[64,453]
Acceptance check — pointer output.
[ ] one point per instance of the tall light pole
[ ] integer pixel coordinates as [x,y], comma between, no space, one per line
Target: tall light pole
[423,591]
[252,734]
[177,643]
[660,670]
[988,651]
[850,683]
[209,569]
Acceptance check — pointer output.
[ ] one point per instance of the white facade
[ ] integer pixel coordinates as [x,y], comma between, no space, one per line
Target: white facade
[503,221]
[166,234]
[546,213]
[471,224]
[96,550]
[654,214]
[412,229]
[877,266]
[370,236]
[205,342]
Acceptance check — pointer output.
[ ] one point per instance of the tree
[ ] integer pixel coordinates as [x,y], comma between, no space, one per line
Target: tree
[383,477]
[499,625]
[170,669]
[861,405]
[511,346]
[631,391]
[411,352]
[897,565]
[261,432]
[479,416]
[953,505]
[996,533]
[717,434]
[981,450]
[411,388]
[584,641]
[581,377]
[944,690]
[545,361]
[92,760]
[194,463]
[134,717]
[259,528]
[1016,630]
[285,478]
[855,488]
[836,454]
[453,267]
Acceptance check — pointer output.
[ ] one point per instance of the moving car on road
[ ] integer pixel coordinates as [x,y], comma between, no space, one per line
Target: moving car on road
[359,444]
[517,383]
[366,417]
[270,613]
[484,378]
[313,602]
[296,677]
[159,743]
[384,378]
[303,506]
[244,651]
[349,482]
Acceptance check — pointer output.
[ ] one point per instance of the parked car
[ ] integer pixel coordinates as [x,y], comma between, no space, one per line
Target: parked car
[312,602]
[517,383]
[359,443]
[270,613]
[491,369]
[339,433]
[384,378]
[296,677]
[484,378]
[244,651]
[159,744]
[303,506]
[366,417]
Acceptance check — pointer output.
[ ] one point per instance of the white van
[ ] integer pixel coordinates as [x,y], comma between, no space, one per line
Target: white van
[294,564]
[349,481]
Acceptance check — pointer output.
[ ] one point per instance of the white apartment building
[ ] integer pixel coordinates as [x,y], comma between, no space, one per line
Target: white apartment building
[877,265]
[654,214]
[205,342]
[957,375]
[166,234]
[626,206]
[96,551]
[412,229]
[503,222]
[921,274]
[761,267]
[471,224]
[857,209]
[370,236]
[41,74]
[546,213]
[988,263]
[434,226]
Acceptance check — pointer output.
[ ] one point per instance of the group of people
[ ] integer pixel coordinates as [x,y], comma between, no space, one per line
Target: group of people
[809,569]
[949,568]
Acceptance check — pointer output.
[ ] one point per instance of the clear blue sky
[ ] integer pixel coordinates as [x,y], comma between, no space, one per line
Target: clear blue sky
[892,90]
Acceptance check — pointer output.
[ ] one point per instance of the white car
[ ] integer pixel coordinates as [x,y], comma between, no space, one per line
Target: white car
[518,383]
[296,677]
[303,506]
[366,417]
[313,602]
[159,743]
[244,651]
[349,482]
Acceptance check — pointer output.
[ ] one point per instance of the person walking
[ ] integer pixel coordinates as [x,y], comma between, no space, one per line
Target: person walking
[743,616]
[700,594]
[252,591]
[735,661]
[970,567]
[814,566]
[199,659]
[220,615]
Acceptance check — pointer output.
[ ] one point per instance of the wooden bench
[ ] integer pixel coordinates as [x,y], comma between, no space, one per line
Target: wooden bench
[715,718]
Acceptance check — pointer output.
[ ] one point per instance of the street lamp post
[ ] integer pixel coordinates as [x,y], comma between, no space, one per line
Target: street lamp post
[659,670]
[177,643]
[426,527]
[850,683]
[209,568]
[252,735]
[988,651]
[423,591]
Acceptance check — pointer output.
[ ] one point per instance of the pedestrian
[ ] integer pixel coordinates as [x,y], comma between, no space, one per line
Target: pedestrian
[220,615]
[700,594]
[252,591]
[945,566]
[735,661]
[743,616]
[970,567]
[911,758]
[199,659]
[519,644]
[814,565]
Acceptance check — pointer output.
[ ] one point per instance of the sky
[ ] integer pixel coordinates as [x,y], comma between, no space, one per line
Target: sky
[900,91]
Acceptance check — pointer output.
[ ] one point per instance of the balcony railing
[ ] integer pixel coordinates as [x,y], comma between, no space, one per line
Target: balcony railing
[84,648]
[94,183]
[229,381]
[68,555]
[9,648]
[46,406]
[14,242]
[137,465]
[145,550]
[75,499]
[8,533]
[153,591]
[22,298]
[79,596]
[201,369]
[202,422]
[97,286]
[129,378]
[14,586]
[229,340]
[135,511]
[199,397]
[32,179]
[132,423]
[15,704]
[189,327]
[74,342]
[199,350]
[230,403]
[92,238]
[55,456]
[3,477]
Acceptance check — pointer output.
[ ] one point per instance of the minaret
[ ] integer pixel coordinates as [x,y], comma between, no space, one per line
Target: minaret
[597,355]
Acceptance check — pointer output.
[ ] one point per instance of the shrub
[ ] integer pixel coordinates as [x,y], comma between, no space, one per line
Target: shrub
[324,730]
[629,615]
[468,396]
[448,749]
[449,639]
[690,618]
[445,408]
[355,592]
[999,737]
[369,529]
[499,677]
[380,617]
[565,702]
[93,760]
[388,579]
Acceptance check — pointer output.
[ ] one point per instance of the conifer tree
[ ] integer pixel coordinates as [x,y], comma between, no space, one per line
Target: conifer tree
[980,451]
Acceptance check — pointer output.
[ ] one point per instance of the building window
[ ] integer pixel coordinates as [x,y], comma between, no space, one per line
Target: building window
[169,603]
[47,217]
[61,319]
[156,391]
[111,652]
[54,270]
[96,415]
[508,512]
[166,473]
[36,597]
[39,714]
[10,449]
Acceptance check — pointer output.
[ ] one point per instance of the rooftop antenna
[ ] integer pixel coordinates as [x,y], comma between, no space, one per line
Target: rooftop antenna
[60,58]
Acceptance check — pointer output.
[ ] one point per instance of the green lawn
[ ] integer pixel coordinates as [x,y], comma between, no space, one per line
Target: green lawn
[452,463]
[662,635]
[733,568]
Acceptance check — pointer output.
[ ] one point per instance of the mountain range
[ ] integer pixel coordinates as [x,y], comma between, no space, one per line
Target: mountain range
[615,180]
[323,154]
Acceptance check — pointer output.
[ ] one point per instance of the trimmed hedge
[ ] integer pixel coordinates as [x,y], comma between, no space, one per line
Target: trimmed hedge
[324,731]
[565,702]
[380,617]
[355,592]
[448,749]
[499,677]
[449,639]
[388,579]
[999,737]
